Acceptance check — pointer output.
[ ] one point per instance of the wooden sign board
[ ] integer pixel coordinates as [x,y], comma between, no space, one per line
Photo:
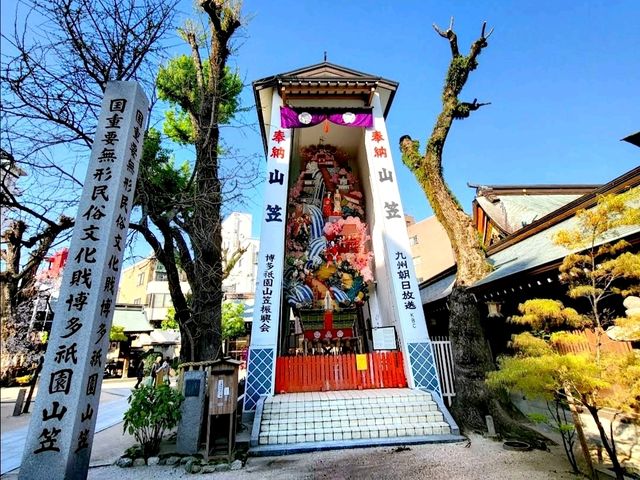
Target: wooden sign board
[223,392]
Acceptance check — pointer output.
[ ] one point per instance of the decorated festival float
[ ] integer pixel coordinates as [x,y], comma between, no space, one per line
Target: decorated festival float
[337,305]
[328,256]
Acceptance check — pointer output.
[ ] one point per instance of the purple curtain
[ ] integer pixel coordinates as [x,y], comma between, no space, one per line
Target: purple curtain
[301,117]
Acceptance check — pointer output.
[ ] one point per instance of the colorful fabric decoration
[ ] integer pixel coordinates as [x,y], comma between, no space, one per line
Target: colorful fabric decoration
[317,222]
[327,244]
[302,117]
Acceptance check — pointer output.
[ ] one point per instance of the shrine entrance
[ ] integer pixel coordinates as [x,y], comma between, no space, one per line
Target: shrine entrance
[331,201]
[328,274]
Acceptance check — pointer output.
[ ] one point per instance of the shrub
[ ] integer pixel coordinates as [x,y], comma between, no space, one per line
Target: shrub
[152,410]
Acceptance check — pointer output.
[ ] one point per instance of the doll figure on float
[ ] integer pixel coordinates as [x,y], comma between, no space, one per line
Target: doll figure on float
[326,206]
[328,311]
[337,200]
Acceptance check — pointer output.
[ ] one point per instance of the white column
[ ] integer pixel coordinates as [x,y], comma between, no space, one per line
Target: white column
[405,295]
[268,298]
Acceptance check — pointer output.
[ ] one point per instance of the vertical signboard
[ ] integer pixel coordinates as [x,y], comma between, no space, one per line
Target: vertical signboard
[62,426]
[412,327]
[268,298]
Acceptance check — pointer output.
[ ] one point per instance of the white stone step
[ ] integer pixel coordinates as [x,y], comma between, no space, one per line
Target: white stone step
[341,411]
[350,415]
[354,422]
[353,402]
[346,433]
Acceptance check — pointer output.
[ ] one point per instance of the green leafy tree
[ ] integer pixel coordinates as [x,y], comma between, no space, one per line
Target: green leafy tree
[594,271]
[597,271]
[182,207]
[232,320]
[169,322]
[116,334]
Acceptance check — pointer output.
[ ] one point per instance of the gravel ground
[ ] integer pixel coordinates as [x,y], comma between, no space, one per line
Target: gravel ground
[480,459]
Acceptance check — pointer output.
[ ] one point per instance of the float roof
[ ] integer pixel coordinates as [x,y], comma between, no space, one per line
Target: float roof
[323,81]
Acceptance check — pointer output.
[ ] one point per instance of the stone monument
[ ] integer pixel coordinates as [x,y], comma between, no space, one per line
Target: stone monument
[192,409]
[62,426]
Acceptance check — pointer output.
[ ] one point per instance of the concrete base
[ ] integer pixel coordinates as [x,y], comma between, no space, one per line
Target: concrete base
[305,447]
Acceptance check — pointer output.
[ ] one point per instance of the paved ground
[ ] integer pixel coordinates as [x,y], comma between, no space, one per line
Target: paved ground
[109,442]
[480,458]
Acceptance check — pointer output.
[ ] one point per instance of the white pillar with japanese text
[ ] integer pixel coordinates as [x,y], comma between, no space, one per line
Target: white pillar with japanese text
[62,426]
[412,329]
[268,298]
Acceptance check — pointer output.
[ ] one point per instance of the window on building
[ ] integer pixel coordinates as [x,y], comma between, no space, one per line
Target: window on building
[137,301]
[140,279]
[161,300]
[160,274]
[413,240]
[157,301]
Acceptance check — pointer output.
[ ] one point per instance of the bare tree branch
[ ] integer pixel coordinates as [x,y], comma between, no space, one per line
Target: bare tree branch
[451,36]
[52,80]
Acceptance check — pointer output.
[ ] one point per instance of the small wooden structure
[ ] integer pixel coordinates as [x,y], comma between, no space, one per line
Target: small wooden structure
[223,401]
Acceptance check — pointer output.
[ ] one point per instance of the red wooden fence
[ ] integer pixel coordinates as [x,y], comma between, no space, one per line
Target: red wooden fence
[317,373]
[589,341]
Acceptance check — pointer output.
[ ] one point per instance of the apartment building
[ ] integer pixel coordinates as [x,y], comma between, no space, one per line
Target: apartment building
[145,283]
[236,234]
[430,247]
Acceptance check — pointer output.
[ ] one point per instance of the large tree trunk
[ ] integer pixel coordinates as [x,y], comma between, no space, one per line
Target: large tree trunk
[472,358]
[10,279]
[205,326]
[18,283]
[206,303]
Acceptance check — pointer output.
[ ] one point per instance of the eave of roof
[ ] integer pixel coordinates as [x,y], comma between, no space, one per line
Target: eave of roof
[618,185]
[133,320]
[512,212]
[540,189]
[533,252]
[352,83]
[633,139]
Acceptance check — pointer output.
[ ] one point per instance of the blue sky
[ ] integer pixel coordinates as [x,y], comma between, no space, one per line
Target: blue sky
[563,79]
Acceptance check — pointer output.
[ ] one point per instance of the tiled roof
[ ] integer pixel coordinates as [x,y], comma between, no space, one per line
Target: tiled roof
[512,212]
[134,320]
[539,250]
[531,252]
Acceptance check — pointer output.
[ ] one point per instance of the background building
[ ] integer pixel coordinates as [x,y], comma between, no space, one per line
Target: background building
[236,234]
[430,247]
[145,283]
